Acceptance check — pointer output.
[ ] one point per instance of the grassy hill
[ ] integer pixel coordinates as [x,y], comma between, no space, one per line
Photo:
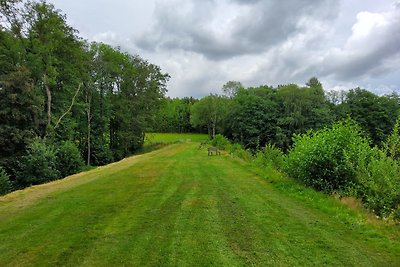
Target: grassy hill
[179,207]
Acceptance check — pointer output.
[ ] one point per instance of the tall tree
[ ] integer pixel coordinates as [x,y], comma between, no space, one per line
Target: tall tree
[20,108]
[375,114]
[231,88]
[210,112]
[252,118]
[55,56]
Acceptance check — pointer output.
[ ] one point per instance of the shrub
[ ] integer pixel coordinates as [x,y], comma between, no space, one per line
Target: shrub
[236,150]
[270,156]
[5,183]
[100,153]
[378,182]
[39,165]
[392,144]
[340,159]
[321,159]
[220,141]
[69,159]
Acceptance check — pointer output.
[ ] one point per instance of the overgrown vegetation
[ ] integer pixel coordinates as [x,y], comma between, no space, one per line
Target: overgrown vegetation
[69,159]
[340,160]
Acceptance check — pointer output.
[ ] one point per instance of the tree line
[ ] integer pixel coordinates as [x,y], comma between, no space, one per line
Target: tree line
[256,116]
[64,98]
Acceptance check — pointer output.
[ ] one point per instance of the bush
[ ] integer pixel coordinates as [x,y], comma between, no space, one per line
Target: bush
[39,165]
[5,183]
[378,183]
[339,159]
[100,153]
[69,159]
[236,150]
[321,159]
[220,141]
[270,156]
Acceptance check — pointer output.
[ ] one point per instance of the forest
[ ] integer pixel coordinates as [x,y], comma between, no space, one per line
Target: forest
[67,104]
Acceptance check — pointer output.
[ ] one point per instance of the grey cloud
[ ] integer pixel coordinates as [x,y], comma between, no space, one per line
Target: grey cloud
[254,29]
[246,2]
[270,23]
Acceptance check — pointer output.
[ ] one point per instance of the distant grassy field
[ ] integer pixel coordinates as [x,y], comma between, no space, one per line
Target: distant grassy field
[174,137]
[179,207]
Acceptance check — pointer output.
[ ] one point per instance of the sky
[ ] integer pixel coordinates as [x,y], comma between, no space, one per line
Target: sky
[203,44]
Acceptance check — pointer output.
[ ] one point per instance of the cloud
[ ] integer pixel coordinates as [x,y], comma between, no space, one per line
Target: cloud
[370,52]
[204,44]
[373,45]
[221,30]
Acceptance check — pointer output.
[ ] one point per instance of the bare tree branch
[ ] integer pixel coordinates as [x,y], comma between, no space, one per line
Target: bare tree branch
[70,107]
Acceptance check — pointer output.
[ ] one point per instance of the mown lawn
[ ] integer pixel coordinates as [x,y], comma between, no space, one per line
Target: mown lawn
[179,207]
[174,137]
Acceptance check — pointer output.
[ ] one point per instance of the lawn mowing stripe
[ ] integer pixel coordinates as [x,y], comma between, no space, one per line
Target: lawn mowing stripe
[179,207]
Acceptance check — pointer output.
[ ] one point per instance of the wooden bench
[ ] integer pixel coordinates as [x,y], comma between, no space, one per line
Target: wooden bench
[213,149]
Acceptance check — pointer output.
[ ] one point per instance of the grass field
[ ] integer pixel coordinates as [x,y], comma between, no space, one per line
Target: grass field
[174,137]
[179,207]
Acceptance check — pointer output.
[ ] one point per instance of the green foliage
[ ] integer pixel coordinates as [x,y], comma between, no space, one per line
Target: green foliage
[339,159]
[39,165]
[19,112]
[209,113]
[100,154]
[237,150]
[5,183]
[270,157]
[375,114]
[231,88]
[220,141]
[392,144]
[56,85]
[69,159]
[320,159]
[252,118]
[302,109]
[378,181]
[174,116]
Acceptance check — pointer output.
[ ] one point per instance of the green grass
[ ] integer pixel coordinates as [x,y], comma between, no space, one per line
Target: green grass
[174,137]
[179,207]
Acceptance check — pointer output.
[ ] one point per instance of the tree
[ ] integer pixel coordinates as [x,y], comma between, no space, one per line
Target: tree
[55,86]
[252,118]
[375,114]
[55,57]
[20,108]
[231,88]
[302,108]
[209,112]
[174,115]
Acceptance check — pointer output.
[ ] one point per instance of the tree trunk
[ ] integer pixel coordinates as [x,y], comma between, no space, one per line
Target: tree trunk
[213,131]
[214,125]
[48,94]
[89,119]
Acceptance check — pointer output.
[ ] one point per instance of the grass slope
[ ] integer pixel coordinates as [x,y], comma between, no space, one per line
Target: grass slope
[179,207]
